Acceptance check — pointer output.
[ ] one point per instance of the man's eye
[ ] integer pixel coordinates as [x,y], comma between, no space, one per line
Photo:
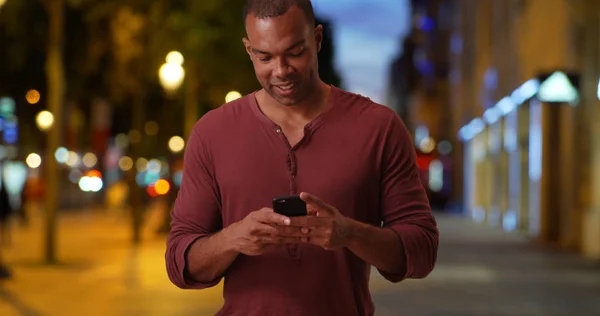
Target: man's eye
[265,58]
[297,54]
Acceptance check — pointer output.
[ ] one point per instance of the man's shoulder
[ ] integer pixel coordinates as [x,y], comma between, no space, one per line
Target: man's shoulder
[224,117]
[364,108]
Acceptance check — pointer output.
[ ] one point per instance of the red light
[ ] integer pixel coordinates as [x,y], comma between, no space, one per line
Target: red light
[151,190]
[423,161]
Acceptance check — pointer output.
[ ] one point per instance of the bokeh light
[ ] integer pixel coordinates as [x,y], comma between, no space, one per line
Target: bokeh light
[154,166]
[90,184]
[32,96]
[61,155]
[427,145]
[162,187]
[90,160]
[141,164]
[175,58]
[232,95]
[94,174]
[33,160]
[176,144]
[151,190]
[171,76]
[44,120]
[72,159]
[122,141]
[125,163]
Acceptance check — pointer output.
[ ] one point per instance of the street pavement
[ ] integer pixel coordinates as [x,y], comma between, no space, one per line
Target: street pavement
[484,271]
[480,271]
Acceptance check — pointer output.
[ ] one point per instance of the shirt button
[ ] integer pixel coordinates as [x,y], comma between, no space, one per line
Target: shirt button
[278,130]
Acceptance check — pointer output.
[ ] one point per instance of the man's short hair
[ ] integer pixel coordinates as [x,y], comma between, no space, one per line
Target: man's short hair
[264,9]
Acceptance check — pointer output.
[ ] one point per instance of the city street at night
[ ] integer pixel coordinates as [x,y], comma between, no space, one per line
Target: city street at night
[148,147]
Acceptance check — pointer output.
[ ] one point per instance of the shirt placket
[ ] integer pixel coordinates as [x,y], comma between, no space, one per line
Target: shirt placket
[292,169]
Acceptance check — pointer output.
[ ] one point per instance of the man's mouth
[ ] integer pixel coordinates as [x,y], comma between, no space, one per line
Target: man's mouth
[285,87]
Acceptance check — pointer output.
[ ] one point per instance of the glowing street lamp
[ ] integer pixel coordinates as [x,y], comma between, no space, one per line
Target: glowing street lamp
[232,95]
[33,160]
[171,73]
[44,120]
[176,144]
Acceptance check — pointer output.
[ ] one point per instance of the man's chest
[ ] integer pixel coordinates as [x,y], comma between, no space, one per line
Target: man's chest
[339,172]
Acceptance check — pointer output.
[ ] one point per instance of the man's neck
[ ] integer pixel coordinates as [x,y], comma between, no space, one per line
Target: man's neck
[306,111]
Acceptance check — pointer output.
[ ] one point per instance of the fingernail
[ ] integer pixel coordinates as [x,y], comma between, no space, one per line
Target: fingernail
[305,230]
[286,221]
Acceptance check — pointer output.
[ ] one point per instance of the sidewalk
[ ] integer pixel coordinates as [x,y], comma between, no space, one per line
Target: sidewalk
[484,271]
[100,272]
[480,271]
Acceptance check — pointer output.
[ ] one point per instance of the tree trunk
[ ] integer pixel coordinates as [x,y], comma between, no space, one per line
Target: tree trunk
[190,113]
[135,193]
[56,89]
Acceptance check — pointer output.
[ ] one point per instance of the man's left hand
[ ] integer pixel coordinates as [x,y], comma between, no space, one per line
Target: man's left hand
[324,226]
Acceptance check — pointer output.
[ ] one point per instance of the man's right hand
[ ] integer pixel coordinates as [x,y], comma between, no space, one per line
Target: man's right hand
[262,231]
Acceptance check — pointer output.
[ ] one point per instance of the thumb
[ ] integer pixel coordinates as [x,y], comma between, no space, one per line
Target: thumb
[316,205]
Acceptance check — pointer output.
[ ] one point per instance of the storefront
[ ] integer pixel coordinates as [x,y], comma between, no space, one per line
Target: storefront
[520,158]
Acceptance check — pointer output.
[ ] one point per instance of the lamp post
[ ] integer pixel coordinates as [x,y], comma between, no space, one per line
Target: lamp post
[45,121]
[171,75]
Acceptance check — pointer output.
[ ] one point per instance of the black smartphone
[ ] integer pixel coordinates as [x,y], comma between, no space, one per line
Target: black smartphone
[290,206]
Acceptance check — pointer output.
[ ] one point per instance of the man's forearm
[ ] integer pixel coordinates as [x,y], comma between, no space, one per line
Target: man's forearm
[377,246]
[208,258]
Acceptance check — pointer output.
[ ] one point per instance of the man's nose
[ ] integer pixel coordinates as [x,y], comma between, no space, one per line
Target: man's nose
[282,68]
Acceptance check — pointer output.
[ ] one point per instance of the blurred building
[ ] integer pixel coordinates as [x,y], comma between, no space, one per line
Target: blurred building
[525,102]
[419,92]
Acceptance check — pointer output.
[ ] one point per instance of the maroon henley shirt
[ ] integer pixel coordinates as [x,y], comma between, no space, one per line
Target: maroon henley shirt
[358,156]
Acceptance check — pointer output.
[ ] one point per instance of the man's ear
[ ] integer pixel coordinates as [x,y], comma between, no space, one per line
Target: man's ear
[246,42]
[319,36]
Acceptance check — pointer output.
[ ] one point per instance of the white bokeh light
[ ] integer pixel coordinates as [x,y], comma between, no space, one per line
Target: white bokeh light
[33,160]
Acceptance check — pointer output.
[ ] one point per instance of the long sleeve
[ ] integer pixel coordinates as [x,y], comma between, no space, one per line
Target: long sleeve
[405,206]
[196,214]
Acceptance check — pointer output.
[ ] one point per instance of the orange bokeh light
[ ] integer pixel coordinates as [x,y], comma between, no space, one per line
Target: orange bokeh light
[162,187]
[94,174]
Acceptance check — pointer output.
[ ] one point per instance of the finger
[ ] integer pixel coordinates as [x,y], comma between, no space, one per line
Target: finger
[291,231]
[311,210]
[268,216]
[261,229]
[307,221]
[318,232]
[316,203]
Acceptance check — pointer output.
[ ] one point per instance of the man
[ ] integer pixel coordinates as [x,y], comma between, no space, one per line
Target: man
[351,161]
